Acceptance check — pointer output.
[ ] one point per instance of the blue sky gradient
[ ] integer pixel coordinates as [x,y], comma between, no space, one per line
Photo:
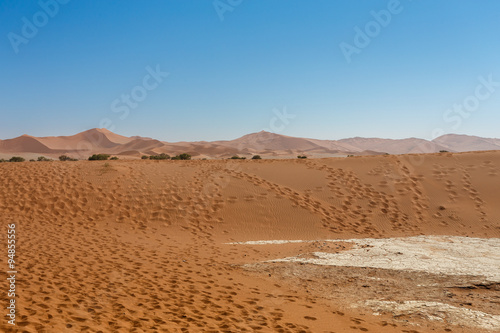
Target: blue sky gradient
[227,76]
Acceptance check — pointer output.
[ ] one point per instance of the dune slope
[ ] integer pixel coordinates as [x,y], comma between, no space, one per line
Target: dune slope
[142,246]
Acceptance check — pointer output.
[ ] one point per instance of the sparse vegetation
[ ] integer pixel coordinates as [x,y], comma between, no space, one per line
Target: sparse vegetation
[302,156]
[114,158]
[161,156]
[444,151]
[66,158]
[144,157]
[99,157]
[16,159]
[43,159]
[350,155]
[182,157]
[236,157]
[256,157]
[3,160]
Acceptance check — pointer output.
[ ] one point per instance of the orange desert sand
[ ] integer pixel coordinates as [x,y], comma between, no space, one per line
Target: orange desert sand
[406,243]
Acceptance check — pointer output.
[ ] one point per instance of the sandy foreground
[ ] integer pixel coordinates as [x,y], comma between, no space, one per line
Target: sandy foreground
[406,243]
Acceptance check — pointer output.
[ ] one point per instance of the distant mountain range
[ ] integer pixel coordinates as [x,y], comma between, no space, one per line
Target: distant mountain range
[263,143]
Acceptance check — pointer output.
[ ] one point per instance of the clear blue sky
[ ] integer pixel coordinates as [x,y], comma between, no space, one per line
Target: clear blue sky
[227,76]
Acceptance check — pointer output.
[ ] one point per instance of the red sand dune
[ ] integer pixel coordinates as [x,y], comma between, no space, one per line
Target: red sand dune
[141,246]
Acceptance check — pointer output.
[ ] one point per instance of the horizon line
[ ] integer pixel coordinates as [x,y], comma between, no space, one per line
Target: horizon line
[261,131]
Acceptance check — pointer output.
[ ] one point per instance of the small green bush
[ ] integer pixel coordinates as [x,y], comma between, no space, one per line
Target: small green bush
[114,158]
[444,151]
[236,157]
[43,159]
[66,158]
[256,157]
[16,159]
[162,156]
[3,160]
[302,156]
[99,157]
[184,156]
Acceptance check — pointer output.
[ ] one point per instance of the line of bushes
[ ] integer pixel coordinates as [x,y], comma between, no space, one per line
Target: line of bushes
[102,157]
[164,156]
[13,159]
[254,157]
[105,157]
[99,157]
[39,159]
[66,158]
[182,157]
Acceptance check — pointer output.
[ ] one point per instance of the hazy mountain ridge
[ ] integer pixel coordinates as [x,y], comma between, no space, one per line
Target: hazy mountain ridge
[263,143]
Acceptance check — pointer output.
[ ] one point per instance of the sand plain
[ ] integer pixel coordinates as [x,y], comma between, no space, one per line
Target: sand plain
[144,246]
